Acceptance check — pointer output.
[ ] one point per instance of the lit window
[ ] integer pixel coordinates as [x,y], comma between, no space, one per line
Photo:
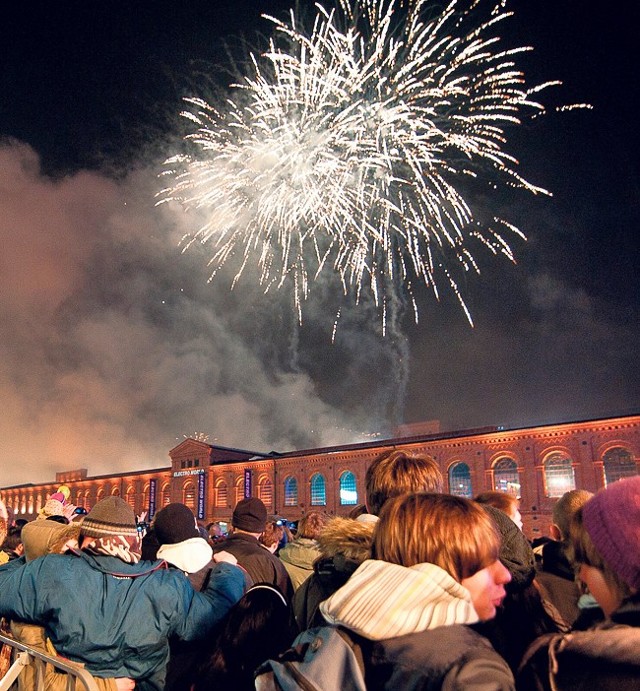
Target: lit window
[460,480]
[348,490]
[318,491]
[618,463]
[265,491]
[505,477]
[189,495]
[290,491]
[558,475]
[166,494]
[131,498]
[222,494]
[239,489]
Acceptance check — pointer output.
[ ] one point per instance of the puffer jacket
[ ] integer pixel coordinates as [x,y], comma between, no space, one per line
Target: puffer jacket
[344,544]
[113,617]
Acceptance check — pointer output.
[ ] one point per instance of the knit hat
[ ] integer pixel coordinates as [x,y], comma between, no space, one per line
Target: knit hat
[52,507]
[174,523]
[612,520]
[250,515]
[109,517]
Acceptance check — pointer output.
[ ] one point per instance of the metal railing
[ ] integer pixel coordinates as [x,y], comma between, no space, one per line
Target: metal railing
[25,656]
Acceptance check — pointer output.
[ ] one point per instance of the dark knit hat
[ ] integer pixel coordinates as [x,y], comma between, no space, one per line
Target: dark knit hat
[109,517]
[250,515]
[174,523]
[612,519]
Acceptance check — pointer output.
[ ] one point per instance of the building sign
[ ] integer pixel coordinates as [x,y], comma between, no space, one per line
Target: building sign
[192,471]
[152,499]
[247,483]
[201,495]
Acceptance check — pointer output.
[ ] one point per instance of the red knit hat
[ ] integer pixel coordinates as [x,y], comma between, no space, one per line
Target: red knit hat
[612,519]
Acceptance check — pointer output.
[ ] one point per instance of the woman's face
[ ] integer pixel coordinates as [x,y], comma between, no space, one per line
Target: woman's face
[594,580]
[487,589]
[516,517]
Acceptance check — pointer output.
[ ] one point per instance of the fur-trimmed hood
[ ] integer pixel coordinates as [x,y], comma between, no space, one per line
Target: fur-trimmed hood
[346,537]
[42,537]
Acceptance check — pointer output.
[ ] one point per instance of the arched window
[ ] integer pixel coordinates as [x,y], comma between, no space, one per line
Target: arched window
[290,491]
[131,497]
[145,498]
[221,496]
[100,494]
[115,492]
[30,504]
[165,495]
[79,498]
[38,503]
[265,491]
[189,495]
[618,463]
[239,489]
[460,480]
[318,490]
[558,474]
[348,489]
[505,477]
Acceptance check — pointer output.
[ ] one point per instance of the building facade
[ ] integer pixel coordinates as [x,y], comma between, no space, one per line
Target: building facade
[537,464]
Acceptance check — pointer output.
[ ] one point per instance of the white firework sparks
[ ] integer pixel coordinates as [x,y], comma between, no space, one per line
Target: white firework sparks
[345,147]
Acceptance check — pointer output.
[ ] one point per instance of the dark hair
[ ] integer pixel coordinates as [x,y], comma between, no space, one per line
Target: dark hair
[13,539]
[58,519]
[255,629]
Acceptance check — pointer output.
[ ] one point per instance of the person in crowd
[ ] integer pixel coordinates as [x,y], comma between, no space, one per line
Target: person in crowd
[271,536]
[556,574]
[604,537]
[216,533]
[4,529]
[344,543]
[524,614]
[12,545]
[255,629]
[504,502]
[248,522]
[299,555]
[434,570]
[101,603]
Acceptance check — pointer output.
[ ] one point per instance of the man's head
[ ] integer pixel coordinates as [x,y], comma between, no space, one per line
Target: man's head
[397,472]
[110,517]
[563,511]
[250,516]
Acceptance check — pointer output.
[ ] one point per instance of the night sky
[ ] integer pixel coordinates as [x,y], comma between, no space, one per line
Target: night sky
[114,346]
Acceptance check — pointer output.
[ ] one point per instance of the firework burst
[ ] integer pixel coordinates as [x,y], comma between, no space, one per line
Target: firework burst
[346,146]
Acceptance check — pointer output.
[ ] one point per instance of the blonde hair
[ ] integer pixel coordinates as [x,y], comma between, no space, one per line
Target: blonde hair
[566,507]
[311,525]
[583,551]
[397,472]
[448,531]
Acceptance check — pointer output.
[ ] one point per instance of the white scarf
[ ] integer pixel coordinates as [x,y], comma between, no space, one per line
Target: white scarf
[383,600]
[189,555]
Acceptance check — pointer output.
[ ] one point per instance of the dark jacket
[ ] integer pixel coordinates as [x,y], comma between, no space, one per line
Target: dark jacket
[114,617]
[448,657]
[259,563]
[606,657]
[344,544]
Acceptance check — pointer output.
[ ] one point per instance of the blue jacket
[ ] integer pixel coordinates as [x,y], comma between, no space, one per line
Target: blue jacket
[116,618]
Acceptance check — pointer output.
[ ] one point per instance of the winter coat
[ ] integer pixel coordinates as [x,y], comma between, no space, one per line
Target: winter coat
[298,558]
[344,544]
[606,657]
[260,564]
[418,621]
[114,617]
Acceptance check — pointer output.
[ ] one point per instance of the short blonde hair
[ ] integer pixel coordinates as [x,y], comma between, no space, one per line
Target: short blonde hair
[397,472]
[566,507]
[448,531]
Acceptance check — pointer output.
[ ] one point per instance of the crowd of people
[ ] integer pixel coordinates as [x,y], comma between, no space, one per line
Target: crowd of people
[416,589]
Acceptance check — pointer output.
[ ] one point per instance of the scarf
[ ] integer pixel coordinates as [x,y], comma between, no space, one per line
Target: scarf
[383,600]
[127,549]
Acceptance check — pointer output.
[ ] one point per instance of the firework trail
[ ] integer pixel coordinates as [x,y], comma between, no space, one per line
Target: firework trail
[346,147]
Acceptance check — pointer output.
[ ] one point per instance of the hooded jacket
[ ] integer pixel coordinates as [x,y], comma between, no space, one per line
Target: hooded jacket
[116,618]
[417,618]
[344,544]
[298,557]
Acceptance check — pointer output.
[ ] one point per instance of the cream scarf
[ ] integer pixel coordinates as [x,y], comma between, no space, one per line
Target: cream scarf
[383,600]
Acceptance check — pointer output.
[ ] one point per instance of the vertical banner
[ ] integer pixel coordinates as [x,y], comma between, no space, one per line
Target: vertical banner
[151,509]
[202,478]
[247,483]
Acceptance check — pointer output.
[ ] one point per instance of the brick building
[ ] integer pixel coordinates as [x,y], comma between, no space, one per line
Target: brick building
[538,464]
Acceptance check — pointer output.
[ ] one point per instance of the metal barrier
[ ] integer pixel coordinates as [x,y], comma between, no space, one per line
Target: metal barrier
[27,656]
